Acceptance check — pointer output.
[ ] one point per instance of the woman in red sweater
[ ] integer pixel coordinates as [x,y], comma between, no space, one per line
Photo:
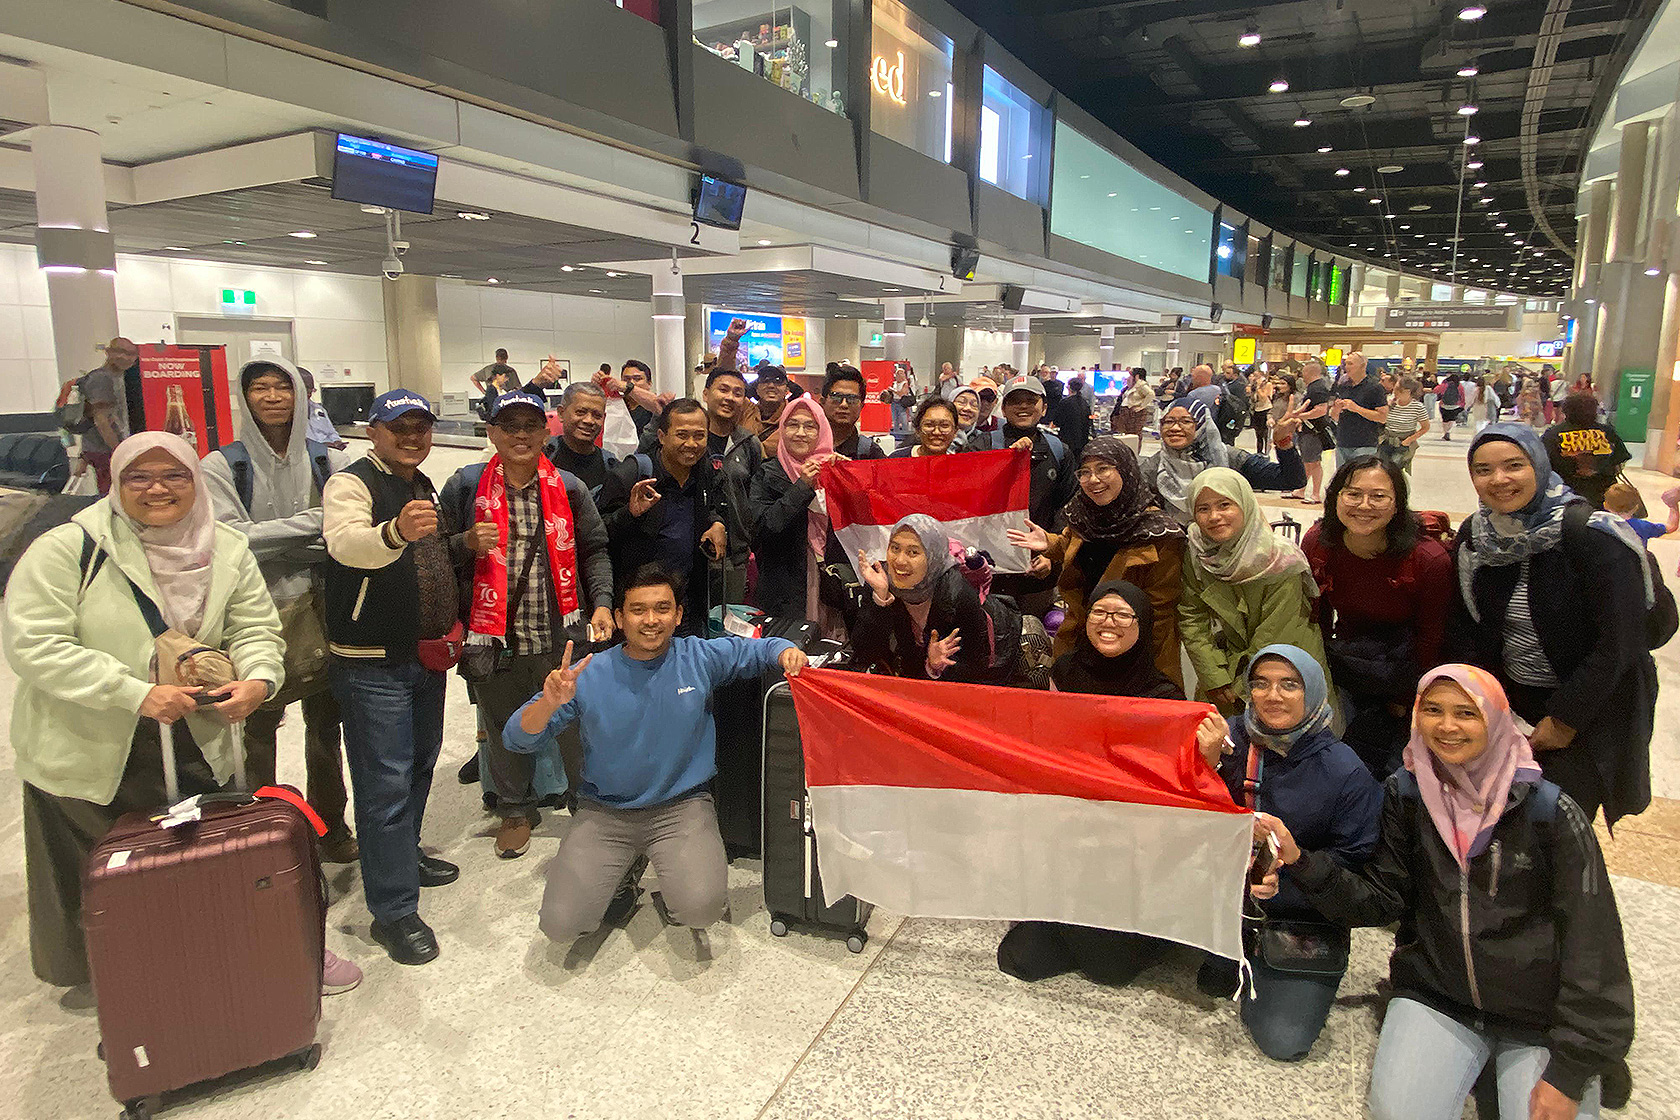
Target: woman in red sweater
[1385,592]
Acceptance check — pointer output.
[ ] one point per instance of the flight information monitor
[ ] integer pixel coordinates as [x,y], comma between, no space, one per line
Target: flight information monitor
[380,174]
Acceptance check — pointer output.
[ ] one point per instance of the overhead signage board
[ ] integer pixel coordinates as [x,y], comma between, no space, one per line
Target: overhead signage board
[1242,351]
[1452,317]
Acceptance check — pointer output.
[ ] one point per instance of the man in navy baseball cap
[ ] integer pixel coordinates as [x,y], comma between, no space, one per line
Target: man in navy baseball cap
[398,402]
[517,397]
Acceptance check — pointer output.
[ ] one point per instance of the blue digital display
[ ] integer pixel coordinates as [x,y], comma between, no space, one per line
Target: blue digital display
[762,341]
[720,203]
[380,174]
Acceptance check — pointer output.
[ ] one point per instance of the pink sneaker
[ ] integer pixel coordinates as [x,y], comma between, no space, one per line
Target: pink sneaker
[338,975]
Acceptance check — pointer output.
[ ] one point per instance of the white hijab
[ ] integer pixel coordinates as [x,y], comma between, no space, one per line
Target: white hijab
[179,555]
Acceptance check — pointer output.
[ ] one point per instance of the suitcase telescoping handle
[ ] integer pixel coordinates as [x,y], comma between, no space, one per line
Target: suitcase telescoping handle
[171,771]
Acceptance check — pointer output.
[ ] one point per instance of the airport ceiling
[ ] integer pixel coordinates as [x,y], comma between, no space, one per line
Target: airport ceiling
[1365,150]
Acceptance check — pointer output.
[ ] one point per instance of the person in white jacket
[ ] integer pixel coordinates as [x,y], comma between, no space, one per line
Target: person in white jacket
[268,486]
[87,707]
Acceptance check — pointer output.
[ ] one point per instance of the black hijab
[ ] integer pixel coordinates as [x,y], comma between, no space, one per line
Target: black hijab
[1132,517]
[1133,673]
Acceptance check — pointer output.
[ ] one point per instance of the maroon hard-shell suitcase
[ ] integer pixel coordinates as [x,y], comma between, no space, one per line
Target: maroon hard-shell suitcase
[205,942]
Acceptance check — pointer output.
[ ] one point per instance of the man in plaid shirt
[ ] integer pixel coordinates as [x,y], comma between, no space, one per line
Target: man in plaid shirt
[540,570]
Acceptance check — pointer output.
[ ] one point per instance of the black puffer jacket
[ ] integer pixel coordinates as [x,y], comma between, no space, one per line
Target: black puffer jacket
[884,639]
[1545,963]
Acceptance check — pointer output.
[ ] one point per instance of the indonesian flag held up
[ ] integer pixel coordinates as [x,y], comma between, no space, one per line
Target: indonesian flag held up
[966,801]
[976,495]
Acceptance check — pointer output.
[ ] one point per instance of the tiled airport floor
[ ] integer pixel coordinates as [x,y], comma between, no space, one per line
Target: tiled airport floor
[920,1025]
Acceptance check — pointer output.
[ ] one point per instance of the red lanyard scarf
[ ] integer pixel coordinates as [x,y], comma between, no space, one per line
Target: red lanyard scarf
[490,574]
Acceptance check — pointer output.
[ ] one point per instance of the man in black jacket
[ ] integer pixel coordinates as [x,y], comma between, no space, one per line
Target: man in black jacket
[1053,467]
[1072,418]
[664,508]
[583,413]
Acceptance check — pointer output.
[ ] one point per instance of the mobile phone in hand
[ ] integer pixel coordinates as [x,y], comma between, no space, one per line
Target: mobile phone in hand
[206,699]
[1265,858]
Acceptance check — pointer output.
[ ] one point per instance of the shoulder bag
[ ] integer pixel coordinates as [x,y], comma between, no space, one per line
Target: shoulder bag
[1299,946]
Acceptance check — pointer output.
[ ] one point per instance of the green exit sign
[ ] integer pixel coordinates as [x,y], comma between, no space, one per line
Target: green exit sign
[875,339]
[238,297]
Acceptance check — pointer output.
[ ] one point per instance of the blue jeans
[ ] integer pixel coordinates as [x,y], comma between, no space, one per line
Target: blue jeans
[1287,1010]
[1346,455]
[1428,1062]
[393,730]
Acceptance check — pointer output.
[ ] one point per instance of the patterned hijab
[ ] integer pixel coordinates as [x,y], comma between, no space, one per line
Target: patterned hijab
[1132,517]
[1256,552]
[936,542]
[180,555]
[1317,715]
[1466,800]
[1177,468]
[1500,539]
[816,522]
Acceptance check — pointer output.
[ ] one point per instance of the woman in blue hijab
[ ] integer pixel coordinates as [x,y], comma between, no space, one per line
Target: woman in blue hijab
[1553,598]
[1289,763]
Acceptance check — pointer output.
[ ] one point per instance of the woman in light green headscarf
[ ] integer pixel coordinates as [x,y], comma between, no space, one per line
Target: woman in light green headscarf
[1245,588]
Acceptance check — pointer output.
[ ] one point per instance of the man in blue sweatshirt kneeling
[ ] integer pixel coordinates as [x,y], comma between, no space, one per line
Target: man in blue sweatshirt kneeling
[649,750]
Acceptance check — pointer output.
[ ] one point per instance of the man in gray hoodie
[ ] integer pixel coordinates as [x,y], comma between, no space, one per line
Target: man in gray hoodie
[268,486]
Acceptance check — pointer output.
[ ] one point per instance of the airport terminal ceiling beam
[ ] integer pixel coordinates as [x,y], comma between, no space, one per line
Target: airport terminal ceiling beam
[810,258]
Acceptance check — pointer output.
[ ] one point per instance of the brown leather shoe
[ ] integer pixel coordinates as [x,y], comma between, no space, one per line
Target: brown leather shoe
[513,837]
[341,848]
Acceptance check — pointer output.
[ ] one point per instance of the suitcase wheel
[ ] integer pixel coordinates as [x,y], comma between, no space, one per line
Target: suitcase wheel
[310,1058]
[100,1050]
[857,941]
[778,927]
[141,1108]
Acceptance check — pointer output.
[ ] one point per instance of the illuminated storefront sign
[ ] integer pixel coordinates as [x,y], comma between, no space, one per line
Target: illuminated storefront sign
[888,80]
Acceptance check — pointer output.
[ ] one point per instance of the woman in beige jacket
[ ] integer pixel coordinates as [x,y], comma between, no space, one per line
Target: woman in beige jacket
[86,711]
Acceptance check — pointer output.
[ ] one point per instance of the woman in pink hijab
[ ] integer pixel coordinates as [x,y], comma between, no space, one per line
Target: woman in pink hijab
[789,521]
[1510,947]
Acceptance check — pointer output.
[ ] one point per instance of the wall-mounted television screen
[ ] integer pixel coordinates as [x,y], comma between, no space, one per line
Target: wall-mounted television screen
[719,203]
[380,174]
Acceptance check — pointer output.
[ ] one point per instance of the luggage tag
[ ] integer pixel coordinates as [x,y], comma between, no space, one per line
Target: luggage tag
[182,812]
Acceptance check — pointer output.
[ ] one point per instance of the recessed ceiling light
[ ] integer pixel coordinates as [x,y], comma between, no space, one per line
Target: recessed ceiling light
[1468,71]
[1341,171]
[1374,201]
[1279,85]
[1480,183]
[1249,38]
[1486,200]
[491,280]
[177,248]
[1403,226]
[936,93]
[1324,149]
[1467,110]
[303,233]
[1472,12]
[1302,122]
[373,209]
[764,241]
[614,274]
[1358,101]
[1474,165]
[1418,207]
[472,215]
[832,43]
[1113,194]
[1390,169]
[314,262]
[596,291]
[567,268]
[1472,140]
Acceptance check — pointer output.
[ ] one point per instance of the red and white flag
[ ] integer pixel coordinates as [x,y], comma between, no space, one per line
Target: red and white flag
[976,495]
[966,801]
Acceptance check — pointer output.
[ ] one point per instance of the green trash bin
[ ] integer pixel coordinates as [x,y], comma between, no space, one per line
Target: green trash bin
[1633,403]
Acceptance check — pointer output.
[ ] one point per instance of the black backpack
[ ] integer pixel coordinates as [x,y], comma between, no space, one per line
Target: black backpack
[1662,616]
[1234,408]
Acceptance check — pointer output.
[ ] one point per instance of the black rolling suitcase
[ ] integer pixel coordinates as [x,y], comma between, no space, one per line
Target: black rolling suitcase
[792,884]
[737,712]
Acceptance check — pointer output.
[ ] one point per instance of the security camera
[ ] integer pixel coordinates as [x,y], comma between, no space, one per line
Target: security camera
[392,267]
[400,248]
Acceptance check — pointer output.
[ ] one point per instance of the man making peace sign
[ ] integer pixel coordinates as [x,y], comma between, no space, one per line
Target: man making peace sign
[649,750]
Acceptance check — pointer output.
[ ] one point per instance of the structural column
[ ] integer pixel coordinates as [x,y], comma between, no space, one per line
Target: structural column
[670,366]
[1019,342]
[413,344]
[74,247]
[892,329]
[1105,347]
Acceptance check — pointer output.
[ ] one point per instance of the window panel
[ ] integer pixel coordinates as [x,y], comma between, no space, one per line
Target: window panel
[1013,128]
[910,89]
[799,48]
[1100,200]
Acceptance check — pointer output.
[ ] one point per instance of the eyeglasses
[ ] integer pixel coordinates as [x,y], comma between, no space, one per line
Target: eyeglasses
[1118,618]
[845,398]
[1379,499]
[1086,474]
[805,429]
[174,480]
[1288,686]
[1187,422]
[938,427]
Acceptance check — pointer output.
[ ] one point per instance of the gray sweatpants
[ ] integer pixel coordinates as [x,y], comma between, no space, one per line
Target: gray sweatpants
[680,839]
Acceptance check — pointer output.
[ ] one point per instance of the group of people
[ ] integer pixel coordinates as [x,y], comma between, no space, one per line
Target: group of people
[1423,734]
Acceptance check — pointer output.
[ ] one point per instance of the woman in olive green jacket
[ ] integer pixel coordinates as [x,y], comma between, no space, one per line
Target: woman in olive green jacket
[1245,588]
[86,711]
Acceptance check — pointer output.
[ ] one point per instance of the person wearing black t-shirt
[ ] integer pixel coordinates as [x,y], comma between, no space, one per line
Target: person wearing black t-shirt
[1360,411]
[583,413]
[1314,438]
[842,402]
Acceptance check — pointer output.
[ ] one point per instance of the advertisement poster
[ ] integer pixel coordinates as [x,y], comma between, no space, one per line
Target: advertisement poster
[761,343]
[793,342]
[185,390]
[878,375]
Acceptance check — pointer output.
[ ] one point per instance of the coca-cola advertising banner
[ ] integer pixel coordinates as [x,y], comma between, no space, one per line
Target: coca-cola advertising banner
[185,389]
[878,374]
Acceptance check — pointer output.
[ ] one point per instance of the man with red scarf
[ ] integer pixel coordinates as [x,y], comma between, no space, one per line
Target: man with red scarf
[539,571]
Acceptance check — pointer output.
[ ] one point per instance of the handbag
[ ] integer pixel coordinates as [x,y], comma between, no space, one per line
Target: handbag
[481,660]
[306,648]
[1293,945]
[441,654]
[180,659]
